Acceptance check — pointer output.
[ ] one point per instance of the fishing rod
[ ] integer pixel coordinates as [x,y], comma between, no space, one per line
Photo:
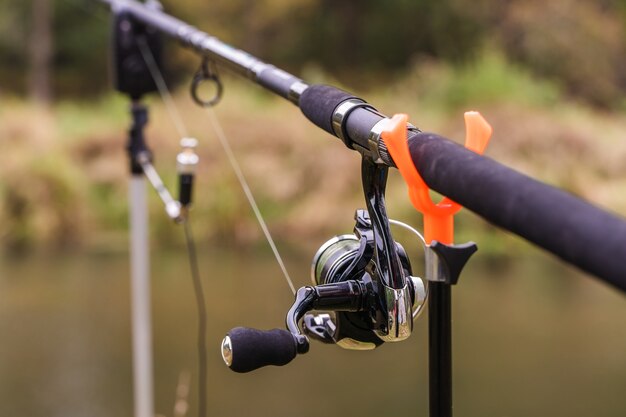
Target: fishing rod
[570,228]
[363,282]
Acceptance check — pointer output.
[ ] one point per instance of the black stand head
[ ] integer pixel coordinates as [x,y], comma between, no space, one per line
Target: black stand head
[131,74]
[452,259]
[136,145]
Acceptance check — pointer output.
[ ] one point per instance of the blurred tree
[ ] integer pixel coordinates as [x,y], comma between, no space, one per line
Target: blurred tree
[41,44]
[13,35]
[579,43]
[342,35]
[81,55]
[78,56]
[372,36]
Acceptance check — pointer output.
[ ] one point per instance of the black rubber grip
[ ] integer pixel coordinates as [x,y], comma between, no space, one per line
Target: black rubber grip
[253,349]
[574,230]
[318,103]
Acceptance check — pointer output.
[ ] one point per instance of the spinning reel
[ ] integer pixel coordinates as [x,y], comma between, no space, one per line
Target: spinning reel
[345,259]
[363,288]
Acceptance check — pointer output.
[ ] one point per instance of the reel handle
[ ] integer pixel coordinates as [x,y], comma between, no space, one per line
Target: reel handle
[245,349]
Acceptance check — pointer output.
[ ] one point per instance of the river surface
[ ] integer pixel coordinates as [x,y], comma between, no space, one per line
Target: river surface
[531,338]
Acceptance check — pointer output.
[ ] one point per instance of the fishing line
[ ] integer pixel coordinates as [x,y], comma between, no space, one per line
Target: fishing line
[223,139]
[202,319]
[162,87]
[182,131]
[221,135]
[191,249]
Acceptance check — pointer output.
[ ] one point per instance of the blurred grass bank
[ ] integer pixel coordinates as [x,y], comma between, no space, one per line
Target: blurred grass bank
[63,169]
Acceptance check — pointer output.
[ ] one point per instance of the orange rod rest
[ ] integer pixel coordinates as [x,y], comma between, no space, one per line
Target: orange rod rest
[438,218]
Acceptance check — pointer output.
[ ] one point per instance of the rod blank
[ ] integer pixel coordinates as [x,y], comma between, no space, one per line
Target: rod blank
[572,229]
[266,75]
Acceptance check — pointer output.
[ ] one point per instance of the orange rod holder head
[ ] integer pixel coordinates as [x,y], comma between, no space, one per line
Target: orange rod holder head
[438,218]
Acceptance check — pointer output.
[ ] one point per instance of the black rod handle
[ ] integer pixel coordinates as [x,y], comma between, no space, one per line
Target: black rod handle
[572,229]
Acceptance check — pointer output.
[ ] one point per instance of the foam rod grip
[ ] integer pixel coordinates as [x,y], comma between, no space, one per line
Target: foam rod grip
[250,349]
[318,103]
[574,230]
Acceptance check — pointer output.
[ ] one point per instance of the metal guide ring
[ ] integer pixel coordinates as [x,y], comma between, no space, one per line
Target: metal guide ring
[206,72]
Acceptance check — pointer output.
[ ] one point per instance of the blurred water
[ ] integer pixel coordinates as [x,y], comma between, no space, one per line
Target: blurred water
[532,338]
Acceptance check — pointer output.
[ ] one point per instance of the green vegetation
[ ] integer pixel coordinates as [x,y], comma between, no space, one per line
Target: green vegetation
[487,80]
[578,44]
[63,170]
[545,75]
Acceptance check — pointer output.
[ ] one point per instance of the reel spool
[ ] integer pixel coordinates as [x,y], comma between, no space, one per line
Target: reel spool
[333,258]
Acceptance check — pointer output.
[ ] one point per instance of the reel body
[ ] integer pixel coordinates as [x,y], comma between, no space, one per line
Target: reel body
[363,292]
[343,258]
